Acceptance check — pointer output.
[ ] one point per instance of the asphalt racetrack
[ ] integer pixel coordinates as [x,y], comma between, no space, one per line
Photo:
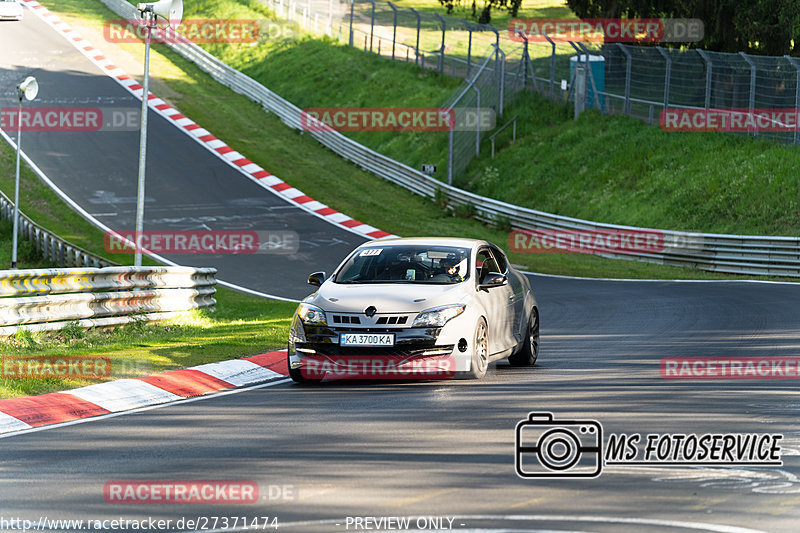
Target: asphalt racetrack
[441,454]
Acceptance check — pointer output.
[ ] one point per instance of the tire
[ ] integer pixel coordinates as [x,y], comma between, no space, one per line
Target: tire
[480,351]
[529,351]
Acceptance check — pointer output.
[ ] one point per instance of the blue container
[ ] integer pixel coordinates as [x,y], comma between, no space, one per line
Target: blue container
[597,64]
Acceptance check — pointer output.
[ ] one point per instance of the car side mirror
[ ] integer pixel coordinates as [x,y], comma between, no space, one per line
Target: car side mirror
[317,278]
[493,279]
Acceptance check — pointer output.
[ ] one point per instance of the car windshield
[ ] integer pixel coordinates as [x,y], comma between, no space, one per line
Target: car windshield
[406,264]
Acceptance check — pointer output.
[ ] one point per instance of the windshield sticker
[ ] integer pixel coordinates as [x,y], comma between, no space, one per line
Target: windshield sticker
[370,252]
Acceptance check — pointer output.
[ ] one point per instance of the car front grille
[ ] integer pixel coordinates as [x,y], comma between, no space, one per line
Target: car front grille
[415,349]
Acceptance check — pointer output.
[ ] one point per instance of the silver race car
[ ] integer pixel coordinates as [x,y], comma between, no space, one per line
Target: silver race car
[11,10]
[397,308]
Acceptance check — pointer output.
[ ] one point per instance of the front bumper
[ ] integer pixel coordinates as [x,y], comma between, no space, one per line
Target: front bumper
[422,353]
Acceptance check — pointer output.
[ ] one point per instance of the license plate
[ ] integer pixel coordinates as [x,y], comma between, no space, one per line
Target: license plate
[366,339]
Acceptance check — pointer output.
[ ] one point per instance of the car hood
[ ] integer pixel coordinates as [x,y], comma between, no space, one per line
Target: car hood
[386,297]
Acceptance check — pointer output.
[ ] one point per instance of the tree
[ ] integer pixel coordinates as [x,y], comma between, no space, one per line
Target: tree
[485,16]
[755,26]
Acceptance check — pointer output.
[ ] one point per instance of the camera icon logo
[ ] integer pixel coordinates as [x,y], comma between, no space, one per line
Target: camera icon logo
[549,448]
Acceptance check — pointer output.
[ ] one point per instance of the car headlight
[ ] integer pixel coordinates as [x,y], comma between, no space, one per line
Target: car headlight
[311,315]
[438,316]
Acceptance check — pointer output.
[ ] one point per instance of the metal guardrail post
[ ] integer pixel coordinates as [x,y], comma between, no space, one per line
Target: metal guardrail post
[709,73]
[419,24]
[627,78]
[796,66]
[667,75]
[752,99]
[394,26]
[441,48]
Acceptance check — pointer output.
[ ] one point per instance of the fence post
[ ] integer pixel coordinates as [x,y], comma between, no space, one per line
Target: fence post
[792,61]
[552,64]
[477,123]
[709,67]
[580,89]
[500,71]
[352,7]
[469,46]
[525,57]
[330,18]
[441,48]
[752,99]
[308,13]
[416,46]
[371,24]
[450,156]
[590,76]
[627,78]
[394,26]
[667,76]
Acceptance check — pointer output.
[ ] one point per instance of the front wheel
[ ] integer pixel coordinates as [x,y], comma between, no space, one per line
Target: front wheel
[527,355]
[480,351]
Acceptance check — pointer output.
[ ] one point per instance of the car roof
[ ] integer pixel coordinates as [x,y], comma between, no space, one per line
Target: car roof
[443,241]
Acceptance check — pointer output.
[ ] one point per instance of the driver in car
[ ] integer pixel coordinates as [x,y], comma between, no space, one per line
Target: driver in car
[450,267]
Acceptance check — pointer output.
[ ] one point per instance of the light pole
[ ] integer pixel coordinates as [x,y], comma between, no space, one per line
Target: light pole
[28,89]
[171,11]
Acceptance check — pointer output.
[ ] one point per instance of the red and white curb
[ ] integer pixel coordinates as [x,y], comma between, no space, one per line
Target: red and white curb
[266,180]
[20,414]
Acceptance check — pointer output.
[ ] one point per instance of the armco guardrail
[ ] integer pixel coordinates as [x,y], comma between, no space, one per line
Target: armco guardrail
[48,299]
[739,254]
[51,246]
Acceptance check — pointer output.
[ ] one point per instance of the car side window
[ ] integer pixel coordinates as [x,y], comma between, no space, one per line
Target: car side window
[485,263]
[500,260]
